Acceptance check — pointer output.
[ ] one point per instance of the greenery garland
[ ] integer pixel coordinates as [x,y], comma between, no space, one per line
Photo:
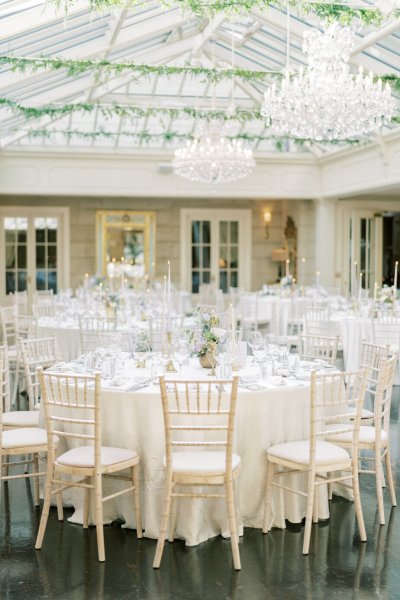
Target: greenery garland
[106,67]
[110,110]
[339,12]
[170,136]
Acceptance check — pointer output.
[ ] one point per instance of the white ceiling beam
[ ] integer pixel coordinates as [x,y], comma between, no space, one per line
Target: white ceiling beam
[201,40]
[109,41]
[22,21]
[161,55]
[166,22]
[375,37]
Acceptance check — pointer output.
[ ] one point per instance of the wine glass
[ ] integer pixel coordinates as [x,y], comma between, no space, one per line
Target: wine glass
[181,354]
[260,352]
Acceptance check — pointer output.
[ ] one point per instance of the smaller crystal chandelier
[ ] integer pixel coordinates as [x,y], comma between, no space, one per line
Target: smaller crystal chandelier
[325,101]
[213,158]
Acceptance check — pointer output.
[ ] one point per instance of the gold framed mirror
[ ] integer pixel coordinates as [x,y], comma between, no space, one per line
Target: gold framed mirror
[125,243]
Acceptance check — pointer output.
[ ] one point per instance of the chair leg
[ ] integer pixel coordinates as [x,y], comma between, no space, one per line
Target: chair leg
[46,504]
[164,525]
[316,504]
[230,501]
[15,384]
[36,480]
[86,504]
[357,500]
[379,491]
[390,478]
[136,497]
[98,502]
[309,511]
[26,468]
[268,496]
[330,491]
[172,519]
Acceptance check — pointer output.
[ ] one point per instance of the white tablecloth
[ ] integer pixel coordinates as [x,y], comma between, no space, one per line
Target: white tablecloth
[134,420]
[353,331]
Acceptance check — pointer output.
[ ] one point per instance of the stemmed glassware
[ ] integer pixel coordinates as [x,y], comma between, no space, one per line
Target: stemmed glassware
[181,353]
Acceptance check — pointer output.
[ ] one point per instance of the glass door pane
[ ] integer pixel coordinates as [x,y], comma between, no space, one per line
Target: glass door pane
[200,254]
[46,237]
[16,253]
[228,256]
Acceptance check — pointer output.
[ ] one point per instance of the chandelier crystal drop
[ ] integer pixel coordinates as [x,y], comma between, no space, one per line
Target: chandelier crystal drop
[325,101]
[213,158]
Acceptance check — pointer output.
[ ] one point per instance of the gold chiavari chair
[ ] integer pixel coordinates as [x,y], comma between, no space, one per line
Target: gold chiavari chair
[199,416]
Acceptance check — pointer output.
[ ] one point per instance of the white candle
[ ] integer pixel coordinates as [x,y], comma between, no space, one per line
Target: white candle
[317,274]
[360,287]
[169,305]
[287,267]
[86,281]
[396,264]
[164,308]
[233,324]
[303,261]
[375,291]
[354,279]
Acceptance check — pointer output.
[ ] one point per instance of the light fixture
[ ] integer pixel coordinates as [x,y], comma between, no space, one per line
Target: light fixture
[325,101]
[267,221]
[213,158]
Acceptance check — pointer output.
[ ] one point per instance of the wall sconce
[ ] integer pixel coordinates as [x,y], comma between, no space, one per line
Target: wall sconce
[267,221]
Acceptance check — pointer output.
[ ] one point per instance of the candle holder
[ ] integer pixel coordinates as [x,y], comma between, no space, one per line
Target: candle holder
[170,365]
[211,358]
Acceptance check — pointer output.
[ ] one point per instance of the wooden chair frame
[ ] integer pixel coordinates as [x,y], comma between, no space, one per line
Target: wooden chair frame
[318,347]
[381,451]
[338,390]
[92,328]
[81,396]
[8,453]
[194,400]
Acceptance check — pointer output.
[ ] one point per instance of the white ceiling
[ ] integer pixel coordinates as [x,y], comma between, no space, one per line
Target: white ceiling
[151,34]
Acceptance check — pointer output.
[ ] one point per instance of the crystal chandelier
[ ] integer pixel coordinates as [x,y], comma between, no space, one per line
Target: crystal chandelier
[325,101]
[213,158]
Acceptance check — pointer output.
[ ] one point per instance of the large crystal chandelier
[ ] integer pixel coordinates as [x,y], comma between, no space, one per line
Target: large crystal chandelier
[213,158]
[325,101]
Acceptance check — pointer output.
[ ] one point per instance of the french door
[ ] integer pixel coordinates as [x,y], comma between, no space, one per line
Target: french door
[215,248]
[34,249]
[365,248]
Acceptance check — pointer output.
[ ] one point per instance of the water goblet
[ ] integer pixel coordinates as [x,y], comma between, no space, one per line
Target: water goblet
[181,354]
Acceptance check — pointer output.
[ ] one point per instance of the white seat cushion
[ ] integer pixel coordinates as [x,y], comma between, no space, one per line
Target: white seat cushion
[21,418]
[83,456]
[299,452]
[367,436]
[201,463]
[24,437]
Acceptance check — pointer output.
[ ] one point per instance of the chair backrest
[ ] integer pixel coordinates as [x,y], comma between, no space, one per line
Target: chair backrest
[47,309]
[386,329]
[371,357]
[25,327]
[318,346]
[40,352]
[7,322]
[20,301]
[336,401]
[4,380]
[383,395]
[72,408]
[156,330]
[199,415]
[317,320]
[43,296]
[92,329]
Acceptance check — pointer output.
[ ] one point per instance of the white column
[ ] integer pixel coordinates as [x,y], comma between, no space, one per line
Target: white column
[326,241]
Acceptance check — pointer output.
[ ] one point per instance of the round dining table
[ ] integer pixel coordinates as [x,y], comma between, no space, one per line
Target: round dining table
[268,412]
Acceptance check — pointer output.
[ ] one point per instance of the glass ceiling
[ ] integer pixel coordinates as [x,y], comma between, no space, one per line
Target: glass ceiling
[150,34]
